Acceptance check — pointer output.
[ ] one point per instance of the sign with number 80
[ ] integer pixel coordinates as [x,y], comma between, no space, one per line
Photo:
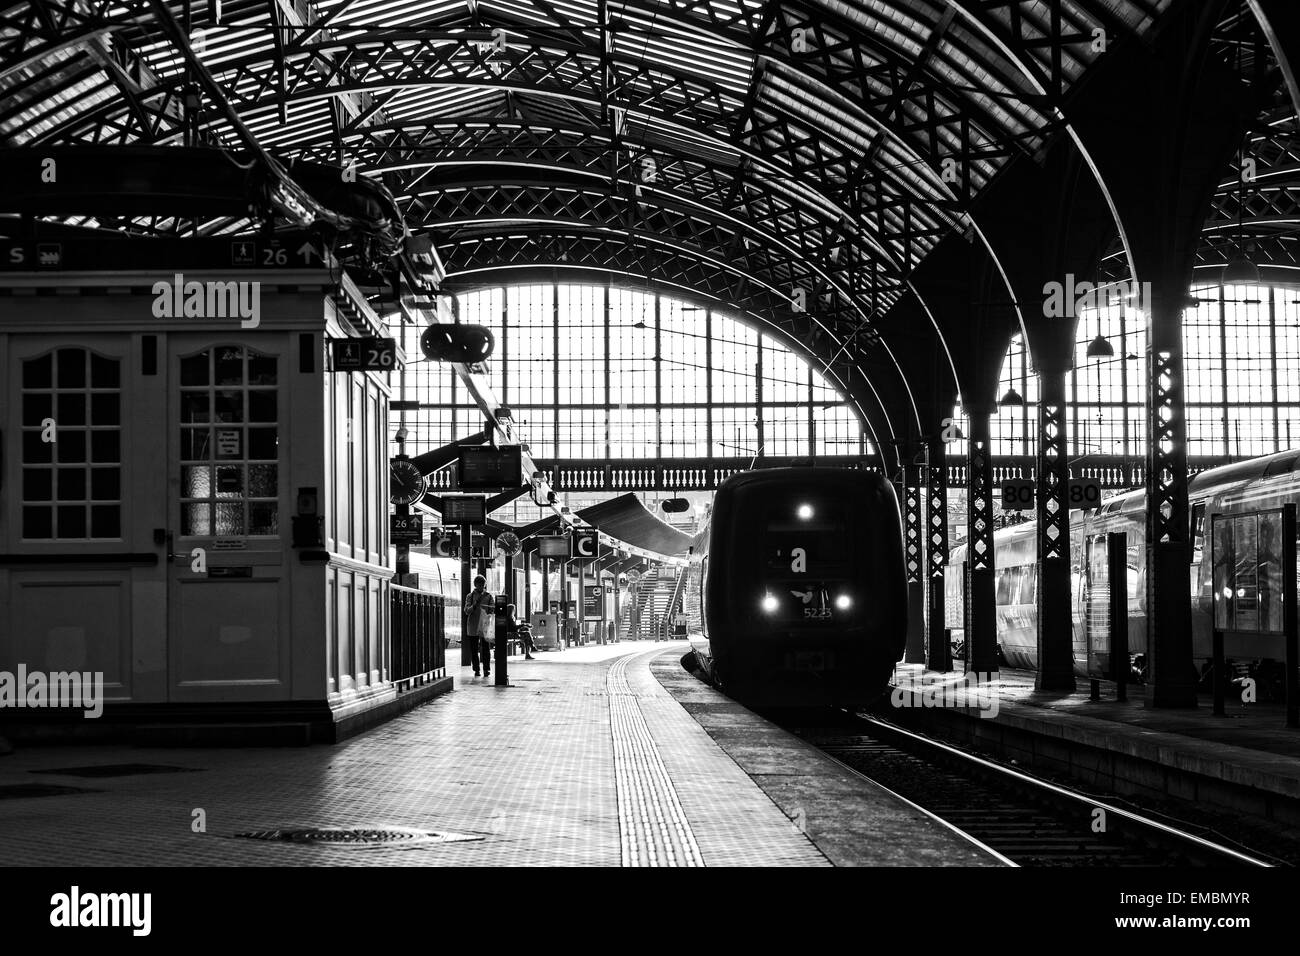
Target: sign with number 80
[1083,493]
[1018,494]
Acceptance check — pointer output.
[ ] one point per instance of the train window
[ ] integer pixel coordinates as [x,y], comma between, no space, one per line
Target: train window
[1029,589]
[1198,528]
[1097,558]
[954,599]
[1023,585]
[802,538]
[1003,582]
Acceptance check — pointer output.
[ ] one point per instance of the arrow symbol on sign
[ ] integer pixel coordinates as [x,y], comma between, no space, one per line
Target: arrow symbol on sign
[306,251]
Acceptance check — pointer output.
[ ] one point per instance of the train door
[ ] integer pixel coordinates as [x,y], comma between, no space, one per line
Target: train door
[1202,608]
[1096,605]
[228,600]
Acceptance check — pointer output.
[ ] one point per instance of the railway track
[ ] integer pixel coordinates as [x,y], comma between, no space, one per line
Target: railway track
[1018,818]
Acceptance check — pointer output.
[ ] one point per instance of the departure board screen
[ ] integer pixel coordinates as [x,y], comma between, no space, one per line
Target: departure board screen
[553,546]
[489,468]
[464,509]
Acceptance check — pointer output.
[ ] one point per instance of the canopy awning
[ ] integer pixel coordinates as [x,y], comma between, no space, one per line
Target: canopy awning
[626,519]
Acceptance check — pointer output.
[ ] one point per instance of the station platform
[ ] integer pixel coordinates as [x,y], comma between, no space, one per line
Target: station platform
[602,755]
[1244,761]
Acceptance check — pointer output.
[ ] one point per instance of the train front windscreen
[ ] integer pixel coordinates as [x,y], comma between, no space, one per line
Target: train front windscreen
[807,570]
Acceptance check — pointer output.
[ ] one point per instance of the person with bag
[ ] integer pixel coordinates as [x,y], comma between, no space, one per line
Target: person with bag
[480,625]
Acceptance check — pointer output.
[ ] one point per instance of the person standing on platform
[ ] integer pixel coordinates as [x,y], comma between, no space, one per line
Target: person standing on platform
[480,621]
[509,629]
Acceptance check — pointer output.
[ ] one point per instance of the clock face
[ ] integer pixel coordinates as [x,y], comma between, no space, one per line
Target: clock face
[406,484]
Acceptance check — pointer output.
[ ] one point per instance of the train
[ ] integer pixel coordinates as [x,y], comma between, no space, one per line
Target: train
[796,593]
[1247,486]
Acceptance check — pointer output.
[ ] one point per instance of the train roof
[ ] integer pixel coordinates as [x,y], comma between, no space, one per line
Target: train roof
[1244,472]
[1205,482]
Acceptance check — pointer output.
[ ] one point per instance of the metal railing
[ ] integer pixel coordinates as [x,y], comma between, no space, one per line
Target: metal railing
[418,634]
[674,605]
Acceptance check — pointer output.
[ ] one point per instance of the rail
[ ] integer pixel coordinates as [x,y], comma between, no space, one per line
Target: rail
[1021,819]
[417,635]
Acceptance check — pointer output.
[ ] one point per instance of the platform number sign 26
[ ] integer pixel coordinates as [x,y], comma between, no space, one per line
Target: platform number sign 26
[364,354]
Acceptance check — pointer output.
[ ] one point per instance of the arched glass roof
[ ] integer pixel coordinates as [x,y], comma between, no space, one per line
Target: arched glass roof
[793,161]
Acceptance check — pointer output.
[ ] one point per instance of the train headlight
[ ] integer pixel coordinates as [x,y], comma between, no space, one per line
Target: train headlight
[805,512]
[843,602]
[769,603]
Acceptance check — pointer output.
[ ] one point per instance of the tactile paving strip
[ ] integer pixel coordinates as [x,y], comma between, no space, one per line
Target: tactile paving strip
[653,829]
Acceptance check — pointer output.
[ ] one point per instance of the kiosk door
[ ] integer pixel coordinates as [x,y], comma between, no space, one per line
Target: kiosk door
[228,601]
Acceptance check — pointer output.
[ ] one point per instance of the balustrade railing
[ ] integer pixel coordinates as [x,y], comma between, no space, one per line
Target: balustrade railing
[418,635]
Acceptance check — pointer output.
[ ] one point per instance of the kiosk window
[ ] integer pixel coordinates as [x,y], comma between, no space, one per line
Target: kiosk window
[71,446]
[229,443]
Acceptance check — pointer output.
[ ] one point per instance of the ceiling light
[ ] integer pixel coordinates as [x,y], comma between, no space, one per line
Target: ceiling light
[1240,271]
[1012,397]
[1100,348]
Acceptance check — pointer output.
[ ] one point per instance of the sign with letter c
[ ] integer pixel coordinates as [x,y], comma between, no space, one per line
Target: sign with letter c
[586,544]
[446,546]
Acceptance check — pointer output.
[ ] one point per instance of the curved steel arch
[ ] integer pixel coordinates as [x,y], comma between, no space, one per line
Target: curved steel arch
[383,157]
[316,76]
[336,84]
[1035,76]
[915,81]
[450,205]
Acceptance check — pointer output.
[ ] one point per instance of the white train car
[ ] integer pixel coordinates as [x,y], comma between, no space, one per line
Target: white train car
[1255,485]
